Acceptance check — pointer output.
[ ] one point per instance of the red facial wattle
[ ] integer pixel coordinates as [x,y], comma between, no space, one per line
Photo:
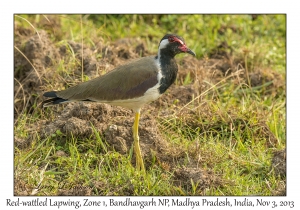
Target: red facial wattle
[182,45]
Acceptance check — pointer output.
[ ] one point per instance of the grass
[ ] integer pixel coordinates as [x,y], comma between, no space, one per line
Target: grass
[232,129]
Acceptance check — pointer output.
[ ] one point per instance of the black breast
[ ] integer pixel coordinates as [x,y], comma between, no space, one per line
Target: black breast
[169,72]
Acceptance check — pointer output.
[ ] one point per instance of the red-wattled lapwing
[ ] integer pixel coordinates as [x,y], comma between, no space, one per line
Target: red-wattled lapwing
[130,85]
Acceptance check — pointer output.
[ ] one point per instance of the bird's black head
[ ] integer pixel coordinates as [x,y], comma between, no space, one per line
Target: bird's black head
[172,44]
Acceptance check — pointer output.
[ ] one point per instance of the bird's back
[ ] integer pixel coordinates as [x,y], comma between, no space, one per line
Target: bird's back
[124,82]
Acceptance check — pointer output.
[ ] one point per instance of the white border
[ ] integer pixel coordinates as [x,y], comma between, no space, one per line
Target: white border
[154,6]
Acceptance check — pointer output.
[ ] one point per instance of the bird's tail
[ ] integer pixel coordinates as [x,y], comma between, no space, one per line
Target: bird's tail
[54,99]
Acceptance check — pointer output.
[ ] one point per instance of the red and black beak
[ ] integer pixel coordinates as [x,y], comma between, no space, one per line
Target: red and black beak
[189,51]
[185,49]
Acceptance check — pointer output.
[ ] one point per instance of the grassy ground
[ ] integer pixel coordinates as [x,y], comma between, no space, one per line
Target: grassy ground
[228,131]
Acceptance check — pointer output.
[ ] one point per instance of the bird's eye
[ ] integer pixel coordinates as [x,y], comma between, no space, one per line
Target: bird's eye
[171,39]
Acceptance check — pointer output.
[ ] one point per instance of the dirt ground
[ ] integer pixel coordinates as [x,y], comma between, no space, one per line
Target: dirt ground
[33,71]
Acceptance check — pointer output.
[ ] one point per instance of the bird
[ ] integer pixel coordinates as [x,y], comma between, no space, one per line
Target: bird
[131,85]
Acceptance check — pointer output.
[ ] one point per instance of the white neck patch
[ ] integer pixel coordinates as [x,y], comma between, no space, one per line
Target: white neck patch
[163,44]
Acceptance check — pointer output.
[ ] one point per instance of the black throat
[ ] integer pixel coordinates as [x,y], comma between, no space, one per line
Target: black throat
[168,69]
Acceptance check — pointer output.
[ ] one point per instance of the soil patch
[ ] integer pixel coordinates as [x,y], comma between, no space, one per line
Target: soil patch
[279,163]
[184,177]
[279,167]
[115,125]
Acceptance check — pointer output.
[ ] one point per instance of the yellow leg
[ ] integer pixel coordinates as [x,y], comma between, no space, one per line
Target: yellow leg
[136,146]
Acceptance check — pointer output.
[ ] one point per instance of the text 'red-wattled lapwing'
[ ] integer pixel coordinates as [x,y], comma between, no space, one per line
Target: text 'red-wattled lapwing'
[130,85]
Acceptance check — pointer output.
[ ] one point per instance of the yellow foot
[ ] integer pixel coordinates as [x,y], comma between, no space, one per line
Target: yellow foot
[137,149]
[138,156]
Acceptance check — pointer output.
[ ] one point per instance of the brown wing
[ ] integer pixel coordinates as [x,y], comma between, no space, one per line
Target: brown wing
[130,80]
